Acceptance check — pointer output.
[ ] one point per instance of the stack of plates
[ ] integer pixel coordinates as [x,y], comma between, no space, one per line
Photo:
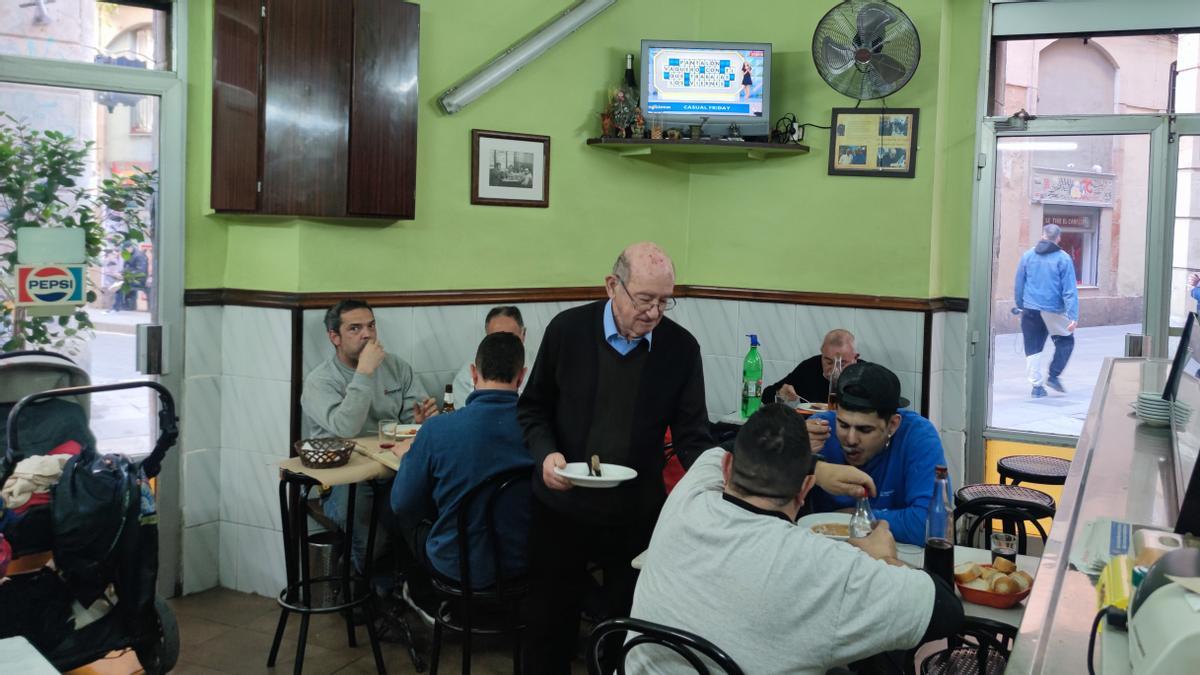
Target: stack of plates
[1153,410]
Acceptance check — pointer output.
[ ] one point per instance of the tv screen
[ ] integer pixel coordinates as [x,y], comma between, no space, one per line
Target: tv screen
[725,82]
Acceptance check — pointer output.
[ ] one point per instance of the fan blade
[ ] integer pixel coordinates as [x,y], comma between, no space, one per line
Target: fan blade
[889,69]
[837,57]
[872,22]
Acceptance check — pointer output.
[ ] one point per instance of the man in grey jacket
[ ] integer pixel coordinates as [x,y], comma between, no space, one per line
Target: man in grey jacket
[1047,296]
[349,393]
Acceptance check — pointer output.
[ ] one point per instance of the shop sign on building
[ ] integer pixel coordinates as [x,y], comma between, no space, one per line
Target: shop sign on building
[1064,186]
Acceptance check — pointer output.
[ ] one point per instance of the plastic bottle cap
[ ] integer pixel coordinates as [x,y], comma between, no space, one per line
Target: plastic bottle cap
[754,340]
[1139,573]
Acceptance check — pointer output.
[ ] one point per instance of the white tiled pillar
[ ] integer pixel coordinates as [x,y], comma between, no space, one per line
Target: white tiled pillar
[200,419]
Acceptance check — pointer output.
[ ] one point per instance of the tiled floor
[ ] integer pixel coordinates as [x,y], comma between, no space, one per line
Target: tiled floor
[223,631]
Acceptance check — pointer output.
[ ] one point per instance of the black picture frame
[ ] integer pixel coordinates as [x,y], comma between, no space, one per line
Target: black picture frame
[514,169]
[876,142]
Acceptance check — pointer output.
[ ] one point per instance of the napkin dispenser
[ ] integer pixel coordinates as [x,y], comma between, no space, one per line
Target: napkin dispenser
[1164,624]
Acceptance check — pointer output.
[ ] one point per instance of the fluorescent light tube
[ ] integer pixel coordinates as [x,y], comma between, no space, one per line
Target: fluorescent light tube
[1037,145]
[515,57]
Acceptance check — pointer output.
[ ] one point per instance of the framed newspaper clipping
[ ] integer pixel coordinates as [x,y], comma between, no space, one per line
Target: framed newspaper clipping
[873,142]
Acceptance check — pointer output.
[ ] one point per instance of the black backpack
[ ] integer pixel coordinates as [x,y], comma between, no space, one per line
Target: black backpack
[95,512]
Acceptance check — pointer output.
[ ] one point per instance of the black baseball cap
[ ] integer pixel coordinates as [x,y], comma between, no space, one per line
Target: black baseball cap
[870,386]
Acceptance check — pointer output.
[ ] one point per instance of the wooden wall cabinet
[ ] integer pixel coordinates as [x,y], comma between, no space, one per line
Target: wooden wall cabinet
[315,107]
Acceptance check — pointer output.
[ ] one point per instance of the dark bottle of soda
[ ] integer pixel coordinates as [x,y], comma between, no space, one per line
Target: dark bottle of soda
[939,529]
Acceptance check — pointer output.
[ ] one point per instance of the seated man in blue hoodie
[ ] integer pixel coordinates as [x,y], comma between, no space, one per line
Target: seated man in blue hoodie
[897,448]
[454,453]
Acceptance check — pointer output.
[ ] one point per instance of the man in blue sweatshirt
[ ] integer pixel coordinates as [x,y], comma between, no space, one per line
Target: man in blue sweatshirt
[897,448]
[1047,296]
[454,453]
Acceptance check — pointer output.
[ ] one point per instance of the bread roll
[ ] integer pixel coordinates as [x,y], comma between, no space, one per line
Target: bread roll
[979,584]
[966,572]
[989,572]
[1004,565]
[1022,578]
[1002,583]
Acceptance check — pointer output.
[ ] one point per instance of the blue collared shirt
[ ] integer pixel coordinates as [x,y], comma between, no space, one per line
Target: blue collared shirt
[618,341]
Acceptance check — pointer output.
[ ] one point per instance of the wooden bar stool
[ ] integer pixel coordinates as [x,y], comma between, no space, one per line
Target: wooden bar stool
[1039,469]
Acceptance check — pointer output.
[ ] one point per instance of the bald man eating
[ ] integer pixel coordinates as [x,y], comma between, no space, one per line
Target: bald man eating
[609,379]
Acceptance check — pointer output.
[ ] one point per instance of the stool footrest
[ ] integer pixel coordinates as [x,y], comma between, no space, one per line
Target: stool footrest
[295,588]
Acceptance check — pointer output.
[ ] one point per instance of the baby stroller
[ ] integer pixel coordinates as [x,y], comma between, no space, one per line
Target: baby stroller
[98,525]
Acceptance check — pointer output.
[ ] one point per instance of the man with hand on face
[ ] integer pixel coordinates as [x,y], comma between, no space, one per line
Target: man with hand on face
[609,378]
[896,447]
[349,393]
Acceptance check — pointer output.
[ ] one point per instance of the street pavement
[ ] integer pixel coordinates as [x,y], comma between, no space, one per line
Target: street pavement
[122,420]
[1012,405]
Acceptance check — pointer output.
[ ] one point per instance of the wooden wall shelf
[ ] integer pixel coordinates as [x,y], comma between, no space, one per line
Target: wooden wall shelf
[703,150]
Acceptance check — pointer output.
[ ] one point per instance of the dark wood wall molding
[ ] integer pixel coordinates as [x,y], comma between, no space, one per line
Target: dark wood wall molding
[294,300]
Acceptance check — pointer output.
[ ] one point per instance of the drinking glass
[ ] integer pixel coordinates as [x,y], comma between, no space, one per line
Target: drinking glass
[793,404]
[656,126]
[1004,545]
[387,433]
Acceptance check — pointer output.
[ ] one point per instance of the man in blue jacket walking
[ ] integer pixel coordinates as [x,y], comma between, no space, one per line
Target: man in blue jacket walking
[1047,296]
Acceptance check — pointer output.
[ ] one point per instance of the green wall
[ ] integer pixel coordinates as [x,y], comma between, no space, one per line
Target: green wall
[780,224]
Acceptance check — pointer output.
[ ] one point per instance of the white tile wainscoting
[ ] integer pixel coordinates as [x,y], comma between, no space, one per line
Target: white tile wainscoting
[238,385]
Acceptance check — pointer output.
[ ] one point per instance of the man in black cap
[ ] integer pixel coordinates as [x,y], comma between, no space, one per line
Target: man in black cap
[896,447]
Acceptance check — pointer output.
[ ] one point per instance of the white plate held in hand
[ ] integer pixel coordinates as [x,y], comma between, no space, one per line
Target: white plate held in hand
[611,475]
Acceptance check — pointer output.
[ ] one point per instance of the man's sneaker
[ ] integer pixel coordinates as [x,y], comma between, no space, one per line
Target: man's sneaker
[425,607]
[1038,392]
[1054,384]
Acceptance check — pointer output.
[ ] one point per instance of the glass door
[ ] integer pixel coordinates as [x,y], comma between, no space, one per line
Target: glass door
[1072,231]
[1184,281]
[115,186]
[1068,269]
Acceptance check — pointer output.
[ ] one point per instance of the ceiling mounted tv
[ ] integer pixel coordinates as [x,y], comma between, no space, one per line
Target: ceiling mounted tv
[710,83]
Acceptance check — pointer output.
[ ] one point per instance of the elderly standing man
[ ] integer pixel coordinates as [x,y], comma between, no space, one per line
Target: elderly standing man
[1047,296]
[609,379]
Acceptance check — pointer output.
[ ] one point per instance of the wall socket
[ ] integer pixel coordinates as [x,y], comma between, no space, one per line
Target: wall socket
[796,133]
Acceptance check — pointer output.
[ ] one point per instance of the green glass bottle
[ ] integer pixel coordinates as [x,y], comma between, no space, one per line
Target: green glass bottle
[752,375]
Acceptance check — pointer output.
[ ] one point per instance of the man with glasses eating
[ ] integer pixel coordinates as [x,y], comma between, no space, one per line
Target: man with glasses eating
[609,379]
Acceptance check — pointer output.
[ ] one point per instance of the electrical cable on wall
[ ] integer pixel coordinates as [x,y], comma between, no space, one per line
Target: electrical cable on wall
[790,130]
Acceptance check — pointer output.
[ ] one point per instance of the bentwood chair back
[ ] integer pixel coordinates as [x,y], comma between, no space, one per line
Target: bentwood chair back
[494,610]
[687,645]
[982,647]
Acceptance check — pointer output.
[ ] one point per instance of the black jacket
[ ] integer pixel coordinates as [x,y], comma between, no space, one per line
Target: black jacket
[557,407]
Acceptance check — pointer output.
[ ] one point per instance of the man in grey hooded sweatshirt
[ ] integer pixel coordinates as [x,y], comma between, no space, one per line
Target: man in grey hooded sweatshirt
[1047,295]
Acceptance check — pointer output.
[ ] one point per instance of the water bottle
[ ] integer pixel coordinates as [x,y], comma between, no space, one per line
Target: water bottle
[752,375]
[863,520]
[939,529]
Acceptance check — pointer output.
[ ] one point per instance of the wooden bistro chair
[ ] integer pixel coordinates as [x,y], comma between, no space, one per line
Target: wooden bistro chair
[495,610]
[687,645]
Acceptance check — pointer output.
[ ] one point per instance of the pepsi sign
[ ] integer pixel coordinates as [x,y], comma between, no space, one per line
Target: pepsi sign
[50,284]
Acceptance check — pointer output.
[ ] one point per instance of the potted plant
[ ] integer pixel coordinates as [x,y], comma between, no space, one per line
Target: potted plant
[41,185]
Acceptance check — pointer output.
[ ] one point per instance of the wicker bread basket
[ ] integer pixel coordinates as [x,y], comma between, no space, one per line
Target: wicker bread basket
[324,453]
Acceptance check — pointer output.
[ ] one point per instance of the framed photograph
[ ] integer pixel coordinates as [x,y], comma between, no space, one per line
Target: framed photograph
[510,169]
[873,142]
